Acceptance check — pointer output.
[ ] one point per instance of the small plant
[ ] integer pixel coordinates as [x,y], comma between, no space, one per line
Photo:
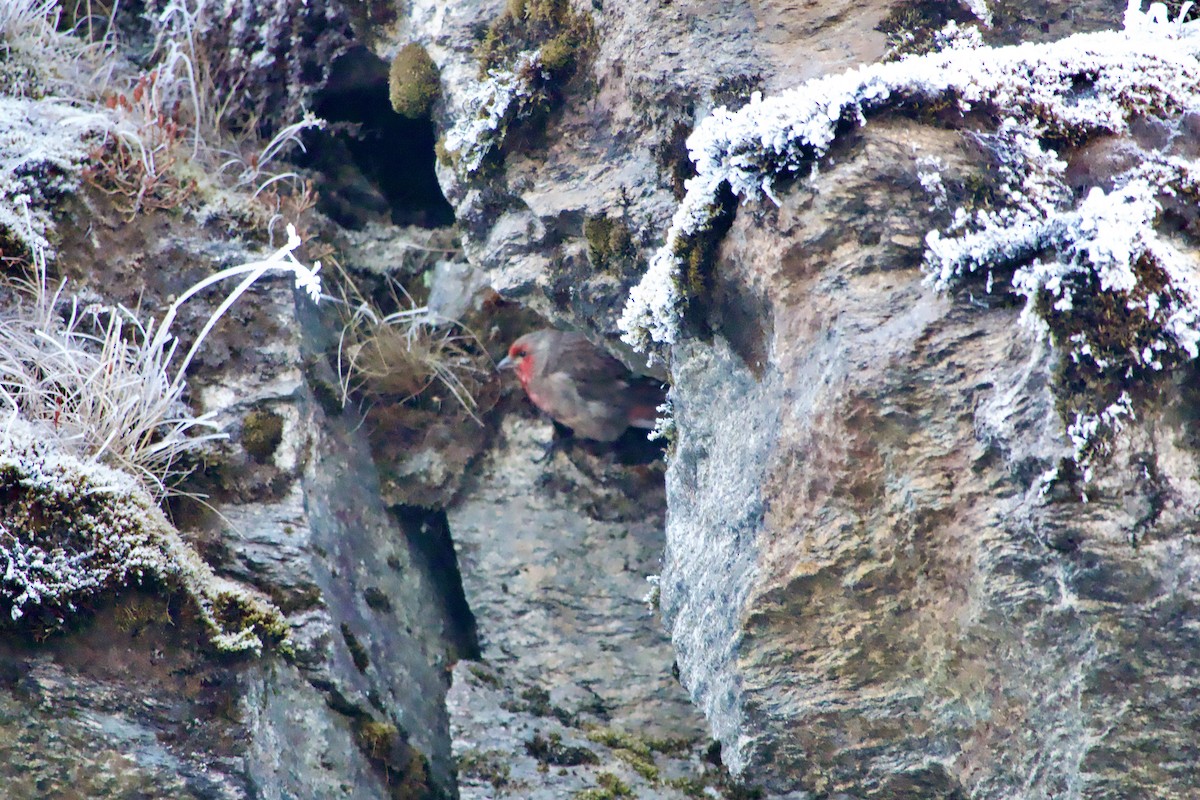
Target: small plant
[138,164]
[107,384]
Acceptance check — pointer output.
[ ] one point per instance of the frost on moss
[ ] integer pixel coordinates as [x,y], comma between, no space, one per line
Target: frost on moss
[71,530]
[1068,90]
[498,101]
[527,58]
[43,146]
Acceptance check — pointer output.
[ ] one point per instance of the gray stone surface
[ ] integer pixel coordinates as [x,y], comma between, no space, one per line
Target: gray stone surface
[867,593]
[554,559]
[575,690]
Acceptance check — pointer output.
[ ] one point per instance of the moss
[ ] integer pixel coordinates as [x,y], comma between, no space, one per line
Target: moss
[610,788]
[734,91]
[636,751]
[536,701]
[529,24]
[414,84]
[377,599]
[239,612]
[377,738]
[619,740]
[563,37]
[405,770]
[697,255]
[77,530]
[609,241]
[484,676]
[1116,330]
[411,780]
[673,160]
[980,190]
[139,611]
[358,653]
[444,156]
[551,750]
[485,765]
[714,783]
[262,431]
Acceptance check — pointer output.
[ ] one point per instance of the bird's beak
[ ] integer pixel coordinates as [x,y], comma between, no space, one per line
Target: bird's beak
[506,363]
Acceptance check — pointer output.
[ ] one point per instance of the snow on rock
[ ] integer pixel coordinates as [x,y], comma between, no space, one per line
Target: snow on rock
[1080,86]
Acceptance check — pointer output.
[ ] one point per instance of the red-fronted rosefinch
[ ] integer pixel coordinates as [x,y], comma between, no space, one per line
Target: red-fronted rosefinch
[581,386]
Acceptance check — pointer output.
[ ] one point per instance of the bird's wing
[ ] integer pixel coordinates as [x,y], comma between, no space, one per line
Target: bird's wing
[585,362]
[586,406]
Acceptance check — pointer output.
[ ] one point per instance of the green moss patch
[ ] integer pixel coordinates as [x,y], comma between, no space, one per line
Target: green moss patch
[414,83]
[610,242]
[485,765]
[262,432]
[610,788]
[551,26]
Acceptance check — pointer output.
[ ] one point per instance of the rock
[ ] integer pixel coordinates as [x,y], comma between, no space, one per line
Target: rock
[867,590]
[554,563]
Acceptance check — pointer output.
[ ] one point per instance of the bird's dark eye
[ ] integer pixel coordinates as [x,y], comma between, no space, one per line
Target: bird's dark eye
[521,353]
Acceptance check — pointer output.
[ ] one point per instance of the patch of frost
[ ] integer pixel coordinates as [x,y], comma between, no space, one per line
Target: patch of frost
[980,9]
[98,530]
[488,110]
[43,146]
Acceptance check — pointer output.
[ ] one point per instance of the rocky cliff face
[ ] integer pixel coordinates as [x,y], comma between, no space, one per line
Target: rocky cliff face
[894,567]
[925,523]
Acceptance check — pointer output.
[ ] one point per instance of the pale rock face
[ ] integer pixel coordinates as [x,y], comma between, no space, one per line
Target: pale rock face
[913,617]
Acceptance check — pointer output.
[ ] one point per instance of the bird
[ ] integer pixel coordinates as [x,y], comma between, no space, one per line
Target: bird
[580,386]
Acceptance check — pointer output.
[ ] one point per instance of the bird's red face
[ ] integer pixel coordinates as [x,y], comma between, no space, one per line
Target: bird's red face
[520,359]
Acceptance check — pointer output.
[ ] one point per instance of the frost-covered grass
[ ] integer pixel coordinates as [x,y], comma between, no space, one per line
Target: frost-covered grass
[93,427]
[406,353]
[92,418]
[152,136]
[72,529]
[1074,88]
[108,386]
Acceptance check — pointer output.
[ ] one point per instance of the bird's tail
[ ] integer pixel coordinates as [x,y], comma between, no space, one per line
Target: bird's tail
[646,396]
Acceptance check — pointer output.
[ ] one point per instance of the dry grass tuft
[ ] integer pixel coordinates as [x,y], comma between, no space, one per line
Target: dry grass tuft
[409,353]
